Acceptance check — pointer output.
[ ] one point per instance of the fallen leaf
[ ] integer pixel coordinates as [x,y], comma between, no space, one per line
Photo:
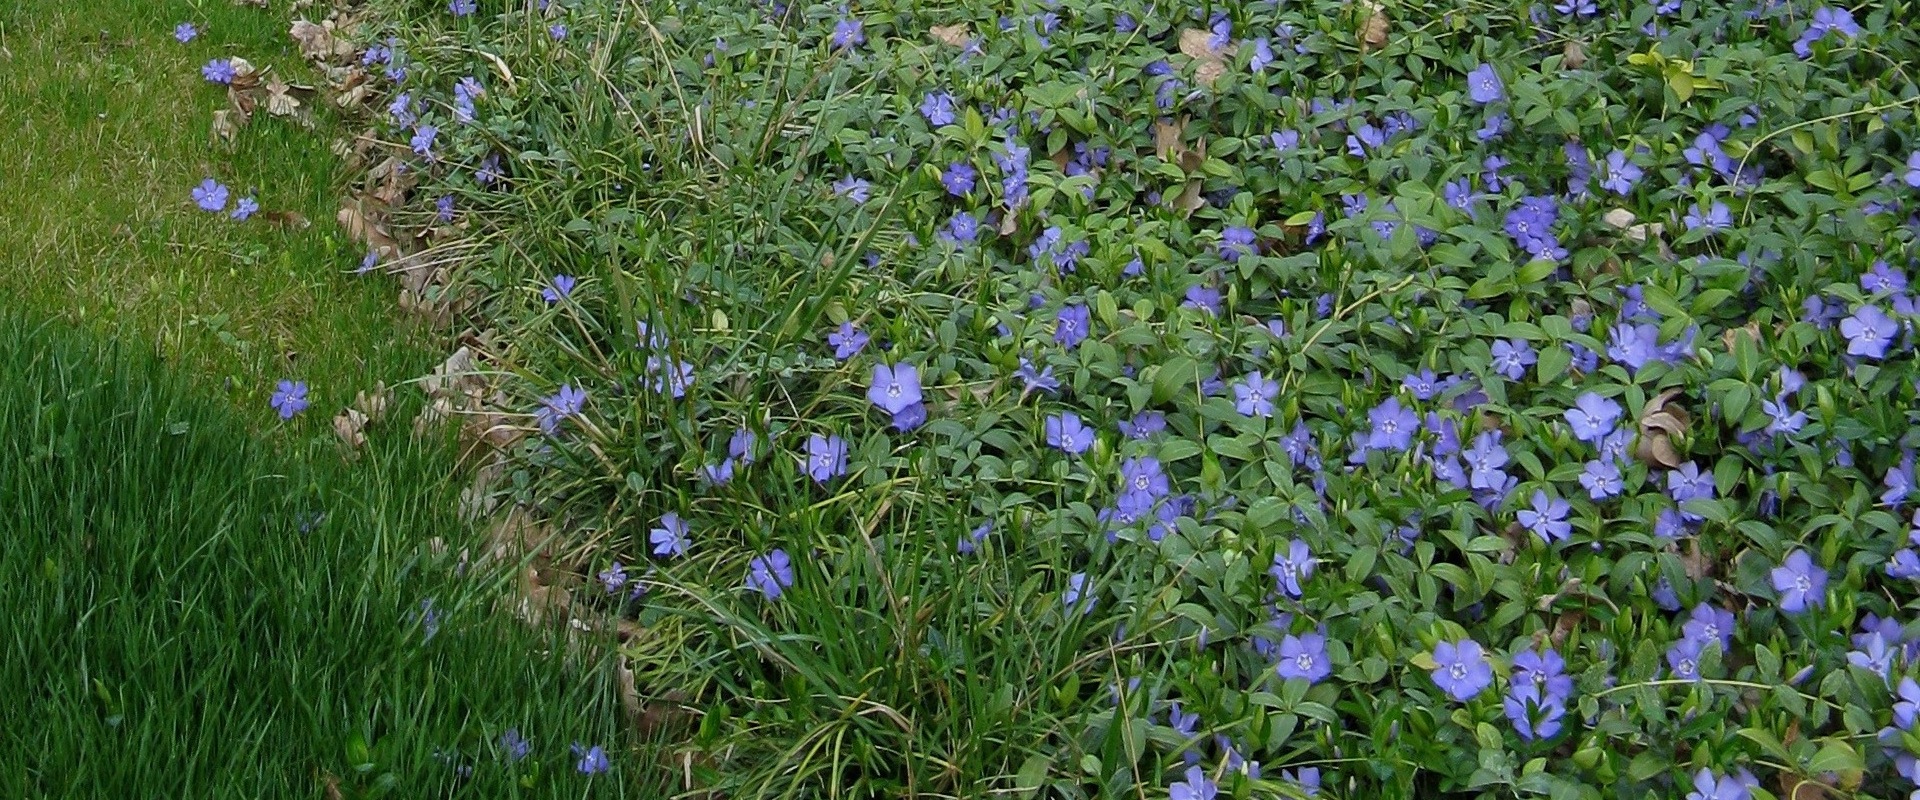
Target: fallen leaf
[1573,56]
[955,35]
[1189,199]
[333,788]
[1731,336]
[1373,32]
[1209,63]
[316,41]
[291,219]
[1619,218]
[279,102]
[629,694]
[350,426]
[1661,422]
[374,404]
[259,3]
[224,127]
[1166,138]
[1694,561]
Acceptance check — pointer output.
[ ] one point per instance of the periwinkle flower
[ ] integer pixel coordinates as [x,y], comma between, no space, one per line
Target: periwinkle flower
[184,32]
[559,288]
[1908,705]
[1876,656]
[1484,85]
[614,577]
[1237,241]
[1304,657]
[1547,518]
[219,70]
[1634,345]
[1713,220]
[1683,660]
[592,760]
[244,207]
[1080,593]
[1869,331]
[938,108]
[513,746]
[1292,565]
[1533,715]
[1066,432]
[423,139]
[1040,380]
[210,195]
[856,189]
[1461,669]
[1826,21]
[669,538]
[289,398]
[847,341]
[670,377]
[894,388]
[1602,479]
[1254,395]
[1912,177]
[1071,326]
[959,178]
[771,574]
[826,457]
[1197,786]
[1392,426]
[563,404]
[1708,785]
[1709,624]
[1592,417]
[1802,584]
[1622,174]
[461,8]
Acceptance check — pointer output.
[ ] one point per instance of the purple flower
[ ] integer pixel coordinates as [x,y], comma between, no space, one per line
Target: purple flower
[1393,426]
[1875,656]
[852,188]
[894,388]
[1484,86]
[1905,565]
[1592,417]
[614,578]
[1883,278]
[669,376]
[959,178]
[1203,297]
[1683,659]
[461,8]
[1237,241]
[444,208]
[563,404]
[1253,396]
[849,33]
[513,746]
[423,137]
[593,760]
[938,108]
[1304,657]
[1532,715]
[1801,583]
[1066,432]
[1036,380]
[561,286]
[1708,786]
[1634,345]
[1071,326]
[1689,483]
[429,619]
[847,341]
[1197,786]
[719,474]
[1908,706]
[1577,8]
[210,195]
[1142,475]
[1715,219]
[289,398]
[1461,669]
[1622,174]
[1781,419]
[1825,21]
[245,207]
[219,70]
[771,574]
[368,262]
[1868,332]
[1913,169]
[1710,624]
[1602,479]
[184,32]
[1143,425]
[826,457]
[1547,518]
[1291,565]
[1079,593]
[670,537]
[557,31]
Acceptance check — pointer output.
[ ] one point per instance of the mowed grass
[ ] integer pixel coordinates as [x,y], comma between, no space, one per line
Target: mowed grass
[107,125]
[192,613]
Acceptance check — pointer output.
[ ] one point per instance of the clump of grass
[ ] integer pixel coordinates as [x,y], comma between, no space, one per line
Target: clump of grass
[197,613]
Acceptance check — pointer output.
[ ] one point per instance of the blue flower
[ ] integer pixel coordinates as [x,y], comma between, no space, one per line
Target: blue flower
[959,178]
[1512,357]
[1079,593]
[1066,432]
[1602,480]
[1683,660]
[847,341]
[669,538]
[771,574]
[1592,417]
[1801,583]
[461,8]
[852,188]
[1461,669]
[938,108]
[1071,326]
[184,32]
[245,207]
[1304,657]
[513,746]
[1869,331]
[1484,85]
[561,287]
[219,70]
[289,398]
[1143,425]
[826,457]
[894,387]
[1708,624]
[423,138]
[1547,518]
[1292,565]
[593,760]
[1197,786]
[210,195]
[848,33]
[1254,395]
[563,404]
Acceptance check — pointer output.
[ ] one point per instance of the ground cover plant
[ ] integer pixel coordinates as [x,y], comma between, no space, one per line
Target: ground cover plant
[1312,399]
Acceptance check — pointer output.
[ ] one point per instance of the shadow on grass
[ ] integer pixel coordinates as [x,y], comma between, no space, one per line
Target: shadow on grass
[192,612]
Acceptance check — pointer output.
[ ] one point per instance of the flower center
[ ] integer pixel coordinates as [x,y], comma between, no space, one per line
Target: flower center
[1458,671]
[1803,583]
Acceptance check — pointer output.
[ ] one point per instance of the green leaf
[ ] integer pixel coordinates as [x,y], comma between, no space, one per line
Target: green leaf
[1835,756]
[1033,772]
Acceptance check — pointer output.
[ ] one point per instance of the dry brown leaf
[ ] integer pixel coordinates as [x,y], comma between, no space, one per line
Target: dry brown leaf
[350,426]
[1209,63]
[1794,787]
[316,41]
[1166,138]
[279,102]
[629,694]
[1661,422]
[224,127]
[258,3]
[1731,336]
[1694,561]
[291,219]
[1189,200]
[1373,32]
[1573,56]
[364,227]
[333,788]
[955,35]
[374,404]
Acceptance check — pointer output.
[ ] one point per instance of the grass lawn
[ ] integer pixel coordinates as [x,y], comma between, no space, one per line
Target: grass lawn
[205,601]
